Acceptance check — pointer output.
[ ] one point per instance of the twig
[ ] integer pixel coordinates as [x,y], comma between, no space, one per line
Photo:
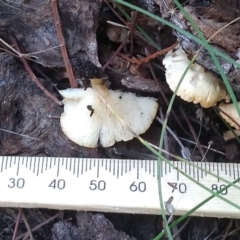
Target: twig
[156,54]
[116,52]
[39,226]
[19,134]
[148,58]
[17,224]
[27,226]
[193,133]
[206,147]
[33,76]
[131,26]
[67,63]
[115,12]
[184,150]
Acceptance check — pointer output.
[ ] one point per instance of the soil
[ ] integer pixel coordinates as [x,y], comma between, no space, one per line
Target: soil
[26,110]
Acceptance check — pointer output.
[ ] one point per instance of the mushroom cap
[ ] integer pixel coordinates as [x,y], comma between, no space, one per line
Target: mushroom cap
[87,120]
[198,85]
[231,110]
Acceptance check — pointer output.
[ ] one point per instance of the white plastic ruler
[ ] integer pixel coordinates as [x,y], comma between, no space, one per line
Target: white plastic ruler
[115,185]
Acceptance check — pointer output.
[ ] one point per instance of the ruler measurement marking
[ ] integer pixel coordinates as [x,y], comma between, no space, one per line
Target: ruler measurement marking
[70,165]
[178,168]
[17,165]
[30,165]
[38,166]
[139,170]
[46,165]
[197,172]
[118,169]
[114,167]
[121,167]
[193,170]
[78,168]
[58,167]
[90,165]
[98,169]
[10,162]
[74,166]
[154,170]
[230,173]
[66,164]
[42,165]
[234,176]
[2,164]
[6,164]
[82,166]
[238,171]
[106,165]
[26,163]
[150,167]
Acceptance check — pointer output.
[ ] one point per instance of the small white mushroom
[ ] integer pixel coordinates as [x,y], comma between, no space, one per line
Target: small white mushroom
[99,115]
[230,110]
[198,85]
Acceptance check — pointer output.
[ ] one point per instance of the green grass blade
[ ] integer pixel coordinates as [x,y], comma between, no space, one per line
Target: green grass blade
[180,219]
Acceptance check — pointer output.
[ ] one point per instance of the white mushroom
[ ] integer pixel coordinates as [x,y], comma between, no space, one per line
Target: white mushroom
[230,110]
[99,115]
[198,85]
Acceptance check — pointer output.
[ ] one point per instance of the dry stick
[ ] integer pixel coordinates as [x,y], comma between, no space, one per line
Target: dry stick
[33,76]
[115,12]
[19,134]
[131,26]
[184,150]
[164,95]
[17,224]
[228,229]
[156,54]
[25,235]
[148,58]
[27,226]
[67,63]
[193,133]
[116,52]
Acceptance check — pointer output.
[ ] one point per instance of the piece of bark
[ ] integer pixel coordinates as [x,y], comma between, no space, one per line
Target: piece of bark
[144,84]
[89,226]
[25,109]
[33,24]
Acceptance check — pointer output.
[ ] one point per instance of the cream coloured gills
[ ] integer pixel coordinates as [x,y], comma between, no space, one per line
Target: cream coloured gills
[99,115]
[198,86]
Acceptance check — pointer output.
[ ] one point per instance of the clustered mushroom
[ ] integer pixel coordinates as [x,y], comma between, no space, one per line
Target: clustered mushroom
[198,85]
